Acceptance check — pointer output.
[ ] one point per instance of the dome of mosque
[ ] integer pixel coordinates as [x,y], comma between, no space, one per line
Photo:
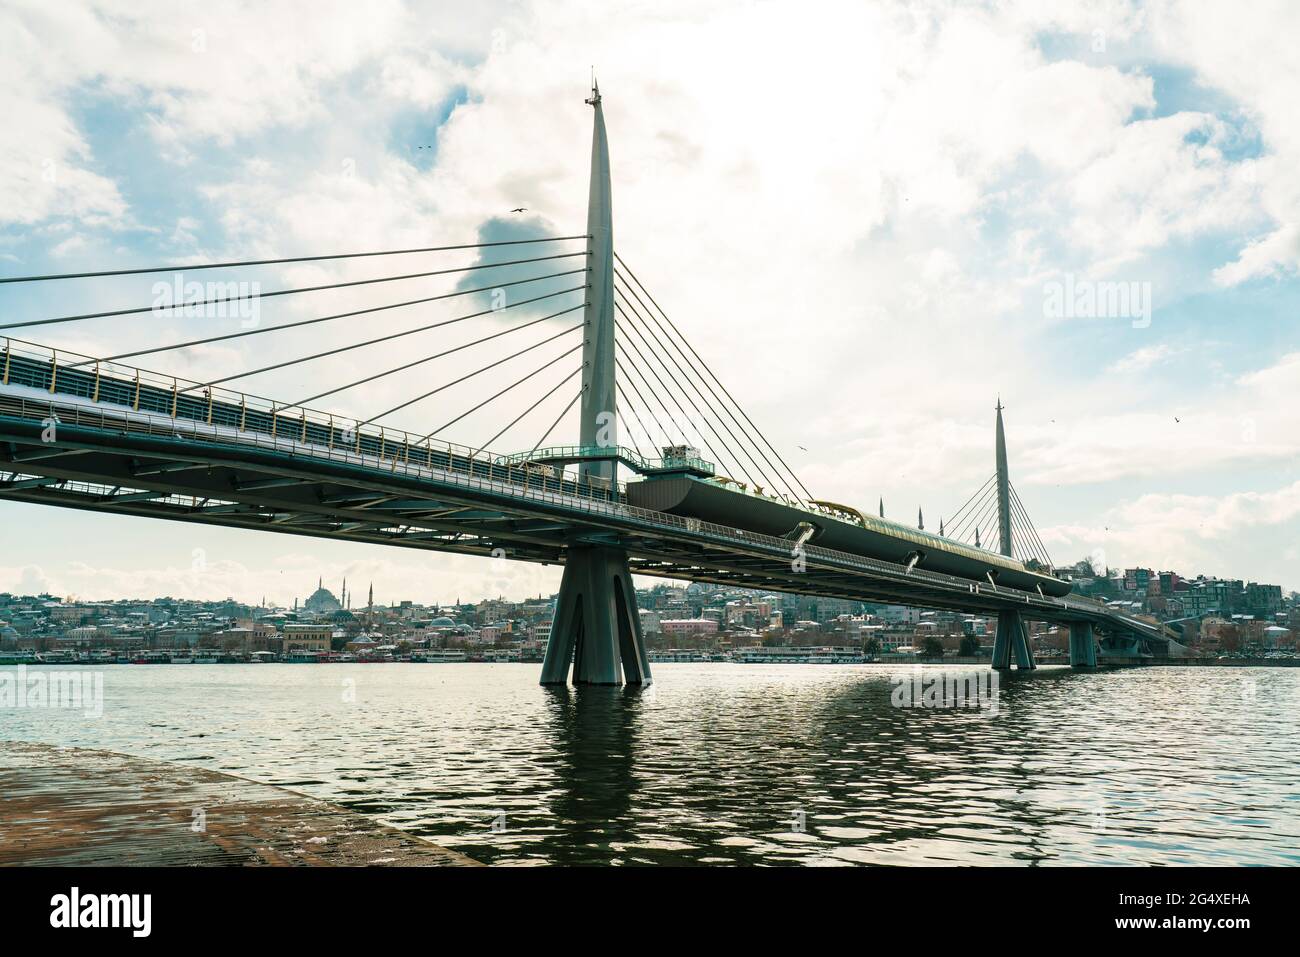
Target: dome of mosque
[322,600]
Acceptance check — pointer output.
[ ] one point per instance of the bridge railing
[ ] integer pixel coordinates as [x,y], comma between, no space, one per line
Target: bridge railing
[139,400]
[630,457]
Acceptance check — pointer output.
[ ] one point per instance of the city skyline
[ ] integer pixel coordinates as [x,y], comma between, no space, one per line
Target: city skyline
[1165,437]
[1215,619]
[346,594]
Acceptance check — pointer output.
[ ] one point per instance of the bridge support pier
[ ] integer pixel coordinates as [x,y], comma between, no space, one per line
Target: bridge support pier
[596,627]
[1012,637]
[1083,649]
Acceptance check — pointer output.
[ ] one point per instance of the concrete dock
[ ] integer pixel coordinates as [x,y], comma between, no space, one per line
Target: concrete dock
[78,807]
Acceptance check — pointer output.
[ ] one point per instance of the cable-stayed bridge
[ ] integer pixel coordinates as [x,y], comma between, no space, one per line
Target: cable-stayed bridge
[667,474]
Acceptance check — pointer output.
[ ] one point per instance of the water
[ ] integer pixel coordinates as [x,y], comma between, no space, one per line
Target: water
[715,762]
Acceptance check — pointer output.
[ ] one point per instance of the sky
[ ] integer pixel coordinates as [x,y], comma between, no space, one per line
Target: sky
[866,217]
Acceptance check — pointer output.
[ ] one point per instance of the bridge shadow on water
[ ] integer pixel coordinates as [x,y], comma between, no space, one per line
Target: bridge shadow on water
[594,731]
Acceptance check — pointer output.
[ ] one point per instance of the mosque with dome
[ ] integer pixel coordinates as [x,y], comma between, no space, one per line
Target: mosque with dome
[323,602]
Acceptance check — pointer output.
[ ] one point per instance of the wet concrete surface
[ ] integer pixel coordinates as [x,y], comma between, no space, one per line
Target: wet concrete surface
[79,807]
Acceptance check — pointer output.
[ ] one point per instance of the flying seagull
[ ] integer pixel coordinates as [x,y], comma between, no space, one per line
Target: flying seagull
[521,209]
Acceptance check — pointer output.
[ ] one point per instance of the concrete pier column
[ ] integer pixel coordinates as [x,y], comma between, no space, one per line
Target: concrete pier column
[1083,647]
[596,628]
[1012,638]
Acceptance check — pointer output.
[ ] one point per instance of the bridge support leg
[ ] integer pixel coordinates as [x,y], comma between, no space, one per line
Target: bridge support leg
[1083,648]
[1012,637]
[596,627]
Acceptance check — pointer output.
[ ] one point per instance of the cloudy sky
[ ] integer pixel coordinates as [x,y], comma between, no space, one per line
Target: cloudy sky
[858,213]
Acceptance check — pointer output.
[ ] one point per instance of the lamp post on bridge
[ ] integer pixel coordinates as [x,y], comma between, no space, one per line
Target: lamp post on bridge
[596,627]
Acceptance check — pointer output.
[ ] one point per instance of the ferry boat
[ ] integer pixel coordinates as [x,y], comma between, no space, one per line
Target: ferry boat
[55,658]
[182,660]
[151,658]
[440,655]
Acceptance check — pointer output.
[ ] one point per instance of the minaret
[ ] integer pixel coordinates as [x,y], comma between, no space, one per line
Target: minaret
[370,607]
[1004,485]
[598,425]
[882,508]
[920,520]
[977,537]
[941,535]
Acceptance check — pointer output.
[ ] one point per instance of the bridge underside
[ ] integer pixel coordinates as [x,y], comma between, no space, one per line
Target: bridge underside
[231,485]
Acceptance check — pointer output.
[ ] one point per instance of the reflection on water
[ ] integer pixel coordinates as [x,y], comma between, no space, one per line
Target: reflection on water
[720,763]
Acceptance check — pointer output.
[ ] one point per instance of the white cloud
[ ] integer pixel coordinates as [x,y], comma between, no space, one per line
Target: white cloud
[1139,360]
[1267,257]
[1165,179]
[1178,531]
[1238,49]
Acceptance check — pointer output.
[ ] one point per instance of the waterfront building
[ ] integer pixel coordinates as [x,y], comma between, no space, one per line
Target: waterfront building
[689,626]
[302,637]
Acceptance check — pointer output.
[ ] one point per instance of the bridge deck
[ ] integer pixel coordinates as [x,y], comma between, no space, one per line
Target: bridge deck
[277,475]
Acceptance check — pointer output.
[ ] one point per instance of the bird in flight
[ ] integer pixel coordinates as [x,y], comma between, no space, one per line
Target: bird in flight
[520,209]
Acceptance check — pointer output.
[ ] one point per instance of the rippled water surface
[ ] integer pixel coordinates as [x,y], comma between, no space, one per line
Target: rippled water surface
[716,763]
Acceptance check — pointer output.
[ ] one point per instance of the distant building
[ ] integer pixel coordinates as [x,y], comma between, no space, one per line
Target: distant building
[1266,599]
[901,615]
[689,626]
[307,637]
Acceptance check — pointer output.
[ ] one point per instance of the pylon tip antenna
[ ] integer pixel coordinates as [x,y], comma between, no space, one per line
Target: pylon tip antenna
[595,90]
